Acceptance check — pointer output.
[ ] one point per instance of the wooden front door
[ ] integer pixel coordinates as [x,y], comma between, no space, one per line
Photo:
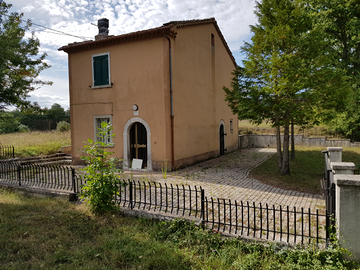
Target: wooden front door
[222,140]
[138,143]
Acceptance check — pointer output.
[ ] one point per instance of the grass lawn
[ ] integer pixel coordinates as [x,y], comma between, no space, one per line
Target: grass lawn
[36,143]
[42,233]
[306,170]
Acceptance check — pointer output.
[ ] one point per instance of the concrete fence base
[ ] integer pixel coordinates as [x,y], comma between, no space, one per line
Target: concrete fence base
[268,140]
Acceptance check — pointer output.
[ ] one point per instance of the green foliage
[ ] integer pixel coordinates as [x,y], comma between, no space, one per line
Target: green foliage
[23,128]
[8,123]
[20,62]
[339,20]
[232,253]
[43,233]
[57,114]
[63,126]
[101,181]
[287,76]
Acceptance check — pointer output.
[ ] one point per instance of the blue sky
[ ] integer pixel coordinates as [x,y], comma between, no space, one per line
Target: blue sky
[76,17]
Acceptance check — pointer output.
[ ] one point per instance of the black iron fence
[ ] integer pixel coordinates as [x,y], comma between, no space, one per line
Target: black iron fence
[329,192]
[43,176]
[279,223]
[256,220]
[7,151]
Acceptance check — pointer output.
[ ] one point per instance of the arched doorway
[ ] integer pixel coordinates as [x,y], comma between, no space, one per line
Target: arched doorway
[222,137]
[138,143]
[128,153]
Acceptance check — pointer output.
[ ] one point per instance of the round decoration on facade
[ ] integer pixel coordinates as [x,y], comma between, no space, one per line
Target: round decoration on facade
[135,107]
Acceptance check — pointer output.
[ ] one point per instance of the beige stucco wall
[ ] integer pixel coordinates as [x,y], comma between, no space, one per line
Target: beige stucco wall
[139,73]
[199,73]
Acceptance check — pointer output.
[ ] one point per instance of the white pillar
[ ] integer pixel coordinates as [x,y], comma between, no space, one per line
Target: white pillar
[347,205]
[335,154]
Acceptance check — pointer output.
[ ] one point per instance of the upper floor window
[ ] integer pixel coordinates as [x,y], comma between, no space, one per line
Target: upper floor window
[101,70]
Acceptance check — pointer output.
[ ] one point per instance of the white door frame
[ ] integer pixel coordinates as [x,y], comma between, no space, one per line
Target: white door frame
[126,141]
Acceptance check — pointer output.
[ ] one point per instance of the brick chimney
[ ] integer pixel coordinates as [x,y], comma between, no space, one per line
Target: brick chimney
[103,25]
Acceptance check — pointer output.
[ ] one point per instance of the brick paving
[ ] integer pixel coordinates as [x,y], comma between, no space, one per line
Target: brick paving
[226,177]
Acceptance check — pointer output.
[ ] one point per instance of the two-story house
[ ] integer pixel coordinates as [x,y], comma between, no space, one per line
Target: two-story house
[162,90]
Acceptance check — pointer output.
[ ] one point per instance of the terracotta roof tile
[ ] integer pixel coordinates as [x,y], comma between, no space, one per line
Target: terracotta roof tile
[165,30]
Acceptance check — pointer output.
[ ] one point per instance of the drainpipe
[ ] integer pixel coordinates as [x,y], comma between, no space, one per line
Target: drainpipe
[171,108]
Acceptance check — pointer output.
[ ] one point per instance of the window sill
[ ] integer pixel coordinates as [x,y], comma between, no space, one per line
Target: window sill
[110,146]
[101,86]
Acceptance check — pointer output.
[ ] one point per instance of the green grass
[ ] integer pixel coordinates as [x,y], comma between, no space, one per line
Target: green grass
[36,143]
[306,170]
[39,233]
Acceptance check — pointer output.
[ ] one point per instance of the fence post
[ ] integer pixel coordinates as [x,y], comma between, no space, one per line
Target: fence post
[73,197]
[346,214]
[73,176]
[202,207]
[131,194]
[19,174]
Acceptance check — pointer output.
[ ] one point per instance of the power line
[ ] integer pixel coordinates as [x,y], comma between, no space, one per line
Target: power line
[54,30]
[61,32]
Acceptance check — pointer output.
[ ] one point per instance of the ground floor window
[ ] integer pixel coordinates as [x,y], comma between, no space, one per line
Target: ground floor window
[97,124]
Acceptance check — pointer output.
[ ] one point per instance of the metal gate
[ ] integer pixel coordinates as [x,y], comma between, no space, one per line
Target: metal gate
[329,192]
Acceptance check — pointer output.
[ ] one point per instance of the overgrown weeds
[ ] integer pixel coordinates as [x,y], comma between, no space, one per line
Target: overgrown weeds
[36,143]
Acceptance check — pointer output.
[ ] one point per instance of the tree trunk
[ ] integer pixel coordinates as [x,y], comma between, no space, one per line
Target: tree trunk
[285,167]
[278,145]
[292,140]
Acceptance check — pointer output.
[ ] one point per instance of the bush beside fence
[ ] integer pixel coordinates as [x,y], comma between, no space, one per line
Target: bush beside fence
[279,223]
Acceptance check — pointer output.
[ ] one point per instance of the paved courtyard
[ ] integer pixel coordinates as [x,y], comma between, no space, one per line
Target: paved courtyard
[226,177]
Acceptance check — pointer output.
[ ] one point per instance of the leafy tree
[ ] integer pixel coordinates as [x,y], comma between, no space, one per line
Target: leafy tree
[101,180]
[340,21]
[287,76]
[8,123]
[55,115]
[20,62]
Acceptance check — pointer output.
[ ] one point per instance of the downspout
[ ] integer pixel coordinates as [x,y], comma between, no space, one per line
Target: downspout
[171,109]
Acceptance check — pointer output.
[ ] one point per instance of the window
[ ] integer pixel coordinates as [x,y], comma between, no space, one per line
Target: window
[212,40]
[97,124]
[231,125]
[101,70]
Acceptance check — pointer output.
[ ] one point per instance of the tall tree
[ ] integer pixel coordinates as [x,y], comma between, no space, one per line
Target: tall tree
[340,21]
[56,114]
[20,61]
[287,75]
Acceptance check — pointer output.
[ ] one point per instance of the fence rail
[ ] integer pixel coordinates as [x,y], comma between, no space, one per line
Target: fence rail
[43,176]
[329,192]
[243,218]
[7,151]
[236,217]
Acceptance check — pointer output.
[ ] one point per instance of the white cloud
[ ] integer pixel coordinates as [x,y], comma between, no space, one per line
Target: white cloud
[75,17]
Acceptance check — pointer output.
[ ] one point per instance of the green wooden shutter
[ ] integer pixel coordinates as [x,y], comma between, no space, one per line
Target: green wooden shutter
[101,70]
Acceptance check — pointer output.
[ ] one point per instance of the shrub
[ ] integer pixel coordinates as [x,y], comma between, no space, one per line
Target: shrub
[101,182]
[8,123]
[23,128]
[63,126]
